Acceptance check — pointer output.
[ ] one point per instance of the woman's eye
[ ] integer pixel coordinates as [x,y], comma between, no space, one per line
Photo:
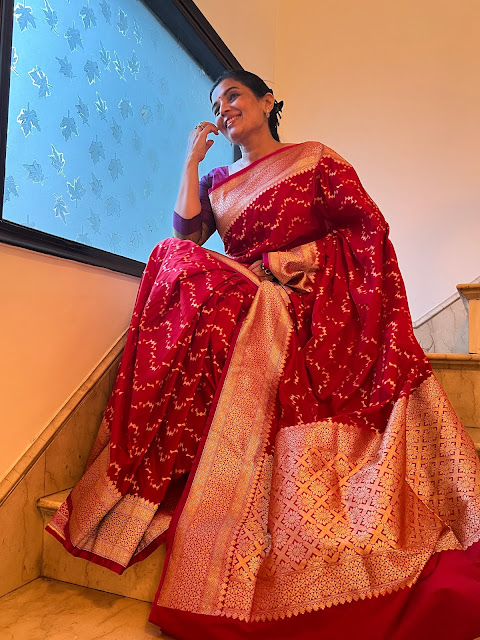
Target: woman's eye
[232,96]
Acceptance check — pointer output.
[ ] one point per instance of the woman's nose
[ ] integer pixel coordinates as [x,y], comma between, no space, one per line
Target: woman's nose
[224,108]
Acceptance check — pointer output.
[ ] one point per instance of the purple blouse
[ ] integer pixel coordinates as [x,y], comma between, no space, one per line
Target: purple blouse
[186,227]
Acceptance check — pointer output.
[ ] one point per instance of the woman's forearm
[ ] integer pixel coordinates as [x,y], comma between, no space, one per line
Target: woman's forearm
[188,203]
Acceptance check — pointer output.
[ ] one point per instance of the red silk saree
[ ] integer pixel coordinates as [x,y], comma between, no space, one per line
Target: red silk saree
[287,439]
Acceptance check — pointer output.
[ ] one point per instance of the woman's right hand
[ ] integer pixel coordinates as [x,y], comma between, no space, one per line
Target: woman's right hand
[198,144]
[259,269]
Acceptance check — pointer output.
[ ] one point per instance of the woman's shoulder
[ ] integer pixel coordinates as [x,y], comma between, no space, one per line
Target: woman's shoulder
[214,176]
[315,147]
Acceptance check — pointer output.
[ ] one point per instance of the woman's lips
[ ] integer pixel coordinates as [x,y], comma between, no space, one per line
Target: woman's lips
[229,121]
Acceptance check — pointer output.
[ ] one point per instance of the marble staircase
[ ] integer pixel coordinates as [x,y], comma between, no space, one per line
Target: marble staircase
[46,609]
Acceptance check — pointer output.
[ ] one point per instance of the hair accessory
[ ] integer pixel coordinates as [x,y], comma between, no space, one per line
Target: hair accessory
[277,107]
[274,118]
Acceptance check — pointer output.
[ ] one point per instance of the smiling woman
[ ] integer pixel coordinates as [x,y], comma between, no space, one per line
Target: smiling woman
[274,419]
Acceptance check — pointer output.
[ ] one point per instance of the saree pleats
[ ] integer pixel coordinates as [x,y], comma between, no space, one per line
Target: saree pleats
[184,320]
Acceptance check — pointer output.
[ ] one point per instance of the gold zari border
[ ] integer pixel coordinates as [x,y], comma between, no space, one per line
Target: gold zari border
[357,514]
[228,202]
[230,469]
[105,522]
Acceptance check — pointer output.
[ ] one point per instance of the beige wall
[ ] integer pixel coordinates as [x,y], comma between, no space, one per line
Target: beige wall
[393,87]
[58,319]
[248,28]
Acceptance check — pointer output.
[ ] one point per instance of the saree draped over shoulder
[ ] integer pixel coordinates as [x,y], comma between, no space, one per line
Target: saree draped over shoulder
[287,439]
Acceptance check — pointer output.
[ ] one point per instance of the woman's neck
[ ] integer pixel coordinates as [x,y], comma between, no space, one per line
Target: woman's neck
[258,148]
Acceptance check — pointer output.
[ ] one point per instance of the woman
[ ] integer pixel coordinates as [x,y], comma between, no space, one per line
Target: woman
[274,418]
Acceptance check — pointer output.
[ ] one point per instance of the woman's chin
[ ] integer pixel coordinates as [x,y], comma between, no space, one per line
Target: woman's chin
[234,137]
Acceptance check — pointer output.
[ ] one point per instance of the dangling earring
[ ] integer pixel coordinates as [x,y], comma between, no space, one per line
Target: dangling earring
[268,114]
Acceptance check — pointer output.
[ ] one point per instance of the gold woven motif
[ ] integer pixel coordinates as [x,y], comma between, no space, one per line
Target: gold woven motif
[338,515]
[108,524]
[351,516]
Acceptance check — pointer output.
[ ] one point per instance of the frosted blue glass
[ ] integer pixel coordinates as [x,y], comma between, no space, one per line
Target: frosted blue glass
[102,99]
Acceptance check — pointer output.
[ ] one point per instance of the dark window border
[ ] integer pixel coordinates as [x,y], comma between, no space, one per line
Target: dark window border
[186,23]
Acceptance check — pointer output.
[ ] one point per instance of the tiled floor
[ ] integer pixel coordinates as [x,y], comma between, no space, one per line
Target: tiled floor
[49,610]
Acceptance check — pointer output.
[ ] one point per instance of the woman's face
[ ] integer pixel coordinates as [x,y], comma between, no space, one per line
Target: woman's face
[237,110]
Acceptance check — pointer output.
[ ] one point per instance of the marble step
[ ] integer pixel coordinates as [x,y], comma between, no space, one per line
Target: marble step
[51,610]
[139,582]
[459,375]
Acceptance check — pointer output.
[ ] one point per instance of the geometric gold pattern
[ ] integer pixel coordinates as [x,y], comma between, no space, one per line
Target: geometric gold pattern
[340,513]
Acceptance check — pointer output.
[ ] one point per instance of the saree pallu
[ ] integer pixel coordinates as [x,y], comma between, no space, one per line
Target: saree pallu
[287,439]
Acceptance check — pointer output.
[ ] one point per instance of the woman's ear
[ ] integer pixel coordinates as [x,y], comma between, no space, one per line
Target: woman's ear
[268,102]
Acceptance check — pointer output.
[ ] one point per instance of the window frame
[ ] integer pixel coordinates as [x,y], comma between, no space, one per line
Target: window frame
[189,26]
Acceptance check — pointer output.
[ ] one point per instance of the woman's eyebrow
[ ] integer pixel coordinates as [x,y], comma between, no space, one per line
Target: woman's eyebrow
[215,104]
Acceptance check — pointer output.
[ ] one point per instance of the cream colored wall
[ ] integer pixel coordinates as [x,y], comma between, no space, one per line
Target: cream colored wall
[393,87]
[58,319]
[248,28]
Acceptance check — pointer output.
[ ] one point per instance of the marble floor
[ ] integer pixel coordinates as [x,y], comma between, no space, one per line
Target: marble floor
[50,610]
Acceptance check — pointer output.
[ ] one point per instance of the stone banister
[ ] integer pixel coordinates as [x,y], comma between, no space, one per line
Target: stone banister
[471,292]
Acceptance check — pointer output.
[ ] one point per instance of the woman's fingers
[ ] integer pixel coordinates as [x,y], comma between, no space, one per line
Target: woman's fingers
[255,264]
[198,144]
[206,127]
[257,268]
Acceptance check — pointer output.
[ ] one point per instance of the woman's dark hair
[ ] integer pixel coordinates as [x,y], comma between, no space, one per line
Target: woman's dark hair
[259,88]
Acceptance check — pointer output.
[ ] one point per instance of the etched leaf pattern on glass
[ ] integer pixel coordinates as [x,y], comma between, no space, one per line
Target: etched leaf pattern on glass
[58,160]
[60,208]
[102,99]
[35,172]
[74,38]
[28,119]
[50,16]
[24,15]
[11,188]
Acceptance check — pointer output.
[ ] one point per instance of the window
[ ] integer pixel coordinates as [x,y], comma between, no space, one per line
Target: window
[102,97]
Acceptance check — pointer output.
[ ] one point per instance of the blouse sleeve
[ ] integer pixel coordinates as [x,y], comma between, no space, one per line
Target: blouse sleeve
[199,228]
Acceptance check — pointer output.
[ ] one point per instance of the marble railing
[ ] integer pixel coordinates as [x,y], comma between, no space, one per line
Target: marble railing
[445,329]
